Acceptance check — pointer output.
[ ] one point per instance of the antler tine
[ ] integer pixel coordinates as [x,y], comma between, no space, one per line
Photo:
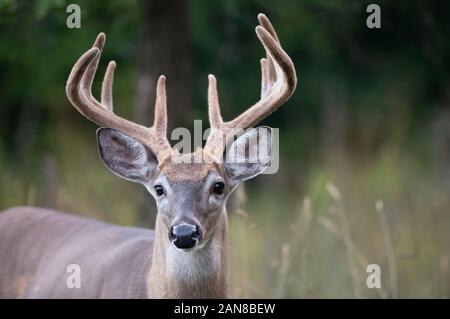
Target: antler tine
[215,118]
[277,85]
[160,123]
[107,84]
[266,24]
[265,77]
[270,73]
[92,67]
[79,93]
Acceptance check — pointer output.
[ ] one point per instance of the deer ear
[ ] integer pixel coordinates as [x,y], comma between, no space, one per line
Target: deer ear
[250,154]
[125,156]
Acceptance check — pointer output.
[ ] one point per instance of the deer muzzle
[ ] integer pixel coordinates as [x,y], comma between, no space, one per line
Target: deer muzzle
[185,235]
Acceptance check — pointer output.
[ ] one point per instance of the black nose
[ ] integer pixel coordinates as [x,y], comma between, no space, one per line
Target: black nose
[184,236]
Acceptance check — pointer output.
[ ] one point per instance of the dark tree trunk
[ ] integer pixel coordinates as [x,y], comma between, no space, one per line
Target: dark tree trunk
[163,48]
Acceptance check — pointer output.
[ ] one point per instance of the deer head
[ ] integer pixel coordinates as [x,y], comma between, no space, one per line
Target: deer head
[190,195]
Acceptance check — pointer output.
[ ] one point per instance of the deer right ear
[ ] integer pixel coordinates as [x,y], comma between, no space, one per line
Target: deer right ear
[250,154]
[125,156]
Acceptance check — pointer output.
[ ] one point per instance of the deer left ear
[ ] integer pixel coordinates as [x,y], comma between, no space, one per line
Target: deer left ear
[125,156]
[249,155]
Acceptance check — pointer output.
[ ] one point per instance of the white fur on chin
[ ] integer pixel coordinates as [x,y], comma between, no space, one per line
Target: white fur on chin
[193,265]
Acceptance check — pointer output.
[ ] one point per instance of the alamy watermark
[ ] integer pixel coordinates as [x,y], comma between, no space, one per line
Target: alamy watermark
[73,280]
[373,21]
[73,20]
[374,278]
[260,147]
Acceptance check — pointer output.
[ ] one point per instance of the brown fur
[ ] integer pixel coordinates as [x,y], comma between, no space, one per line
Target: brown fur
[175,167]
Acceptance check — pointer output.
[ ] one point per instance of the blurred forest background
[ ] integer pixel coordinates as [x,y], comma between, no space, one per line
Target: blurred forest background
[365,141]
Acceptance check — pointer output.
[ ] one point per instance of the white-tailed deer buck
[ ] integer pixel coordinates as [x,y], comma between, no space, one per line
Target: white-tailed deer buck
[186,255]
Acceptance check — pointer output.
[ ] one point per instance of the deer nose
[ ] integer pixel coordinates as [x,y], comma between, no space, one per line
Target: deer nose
[184,236]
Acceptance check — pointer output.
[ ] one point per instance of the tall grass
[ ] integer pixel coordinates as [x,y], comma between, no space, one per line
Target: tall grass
[319,245]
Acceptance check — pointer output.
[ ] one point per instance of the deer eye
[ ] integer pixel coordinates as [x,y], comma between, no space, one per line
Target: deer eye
[159,190]
[218,188]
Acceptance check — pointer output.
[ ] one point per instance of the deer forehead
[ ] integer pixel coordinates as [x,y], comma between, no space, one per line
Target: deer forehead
[189,172]
[185,167]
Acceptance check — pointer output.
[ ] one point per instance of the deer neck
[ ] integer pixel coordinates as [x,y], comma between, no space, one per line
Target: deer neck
[200,273]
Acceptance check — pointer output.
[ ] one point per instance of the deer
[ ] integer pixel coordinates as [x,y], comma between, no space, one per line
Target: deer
[186,255]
